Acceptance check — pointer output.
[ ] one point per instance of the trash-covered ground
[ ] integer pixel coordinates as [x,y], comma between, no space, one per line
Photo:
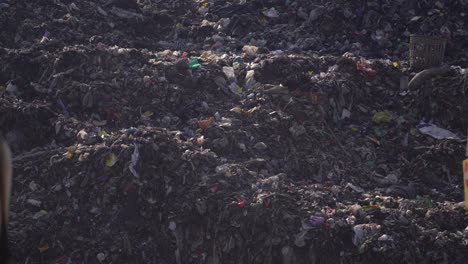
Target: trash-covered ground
[233,131]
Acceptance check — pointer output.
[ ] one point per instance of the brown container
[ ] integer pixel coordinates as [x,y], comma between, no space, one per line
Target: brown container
[426,51]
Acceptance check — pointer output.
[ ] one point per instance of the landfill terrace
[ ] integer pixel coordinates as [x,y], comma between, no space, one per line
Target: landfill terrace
[230,132]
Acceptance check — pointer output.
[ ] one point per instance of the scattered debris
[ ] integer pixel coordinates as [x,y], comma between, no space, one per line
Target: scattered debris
[203,131]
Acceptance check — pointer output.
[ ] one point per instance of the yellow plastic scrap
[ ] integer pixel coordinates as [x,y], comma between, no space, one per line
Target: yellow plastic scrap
[103,133]
[68,155]
[71,148]
[205,55]
[382,117]
[43,248]
[148,113]
[111,160]
[395,64]
[70,152]
[237,110]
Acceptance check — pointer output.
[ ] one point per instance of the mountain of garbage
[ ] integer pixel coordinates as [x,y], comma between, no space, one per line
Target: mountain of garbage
[259,131]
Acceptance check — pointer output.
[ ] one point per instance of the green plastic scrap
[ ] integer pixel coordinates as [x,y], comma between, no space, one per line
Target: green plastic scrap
[194,64]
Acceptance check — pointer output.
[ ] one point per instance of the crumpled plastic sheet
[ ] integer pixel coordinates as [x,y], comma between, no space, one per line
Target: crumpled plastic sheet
[133,163]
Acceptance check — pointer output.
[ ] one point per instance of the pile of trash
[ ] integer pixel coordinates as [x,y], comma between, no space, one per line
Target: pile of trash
[233,132]
[144,194]
[367,28]
[372,28]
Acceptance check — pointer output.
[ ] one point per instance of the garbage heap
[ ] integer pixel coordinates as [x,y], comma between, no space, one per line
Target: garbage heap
[167,132]
[370,28]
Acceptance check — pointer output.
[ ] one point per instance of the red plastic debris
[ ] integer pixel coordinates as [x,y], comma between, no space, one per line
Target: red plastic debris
[364,69]
[130,188]
[214,188]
